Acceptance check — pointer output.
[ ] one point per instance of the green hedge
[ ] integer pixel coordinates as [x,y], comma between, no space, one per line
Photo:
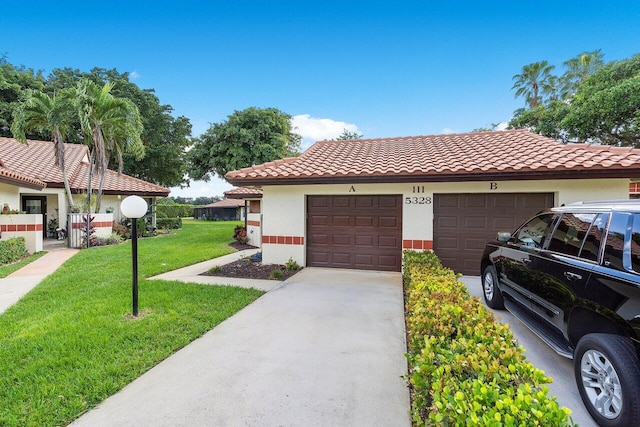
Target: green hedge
[464,367]
[169,223]
[174,211]
[12,250]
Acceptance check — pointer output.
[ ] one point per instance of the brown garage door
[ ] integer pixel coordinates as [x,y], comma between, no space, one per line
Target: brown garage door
[359,232]
[464,223]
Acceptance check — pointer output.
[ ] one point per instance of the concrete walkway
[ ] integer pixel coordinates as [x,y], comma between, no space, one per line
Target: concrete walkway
[17,284]
[192,273]
[324,348]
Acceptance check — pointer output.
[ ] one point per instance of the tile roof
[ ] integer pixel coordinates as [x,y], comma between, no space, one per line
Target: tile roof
[13,178]
[514,154]
[243,193]
[115,183]
[226,203]
[35,161]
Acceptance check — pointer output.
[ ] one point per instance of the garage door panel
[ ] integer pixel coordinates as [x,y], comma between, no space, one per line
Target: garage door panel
[362,240]
[464,223]
[449,243]
[341,239]
[320,220]
[388,242]
[319,239]
[364,259]
[364,202]
[364,232]
[388,202]
[475,201]
[364,221]
[339,202]
[448,201]
[340,221]
[475,222]
[448,222]
[388,222]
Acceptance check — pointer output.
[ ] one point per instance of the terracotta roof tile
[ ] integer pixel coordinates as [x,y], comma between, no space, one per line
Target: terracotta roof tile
[9,177]
[515,154]
[226,203]
[115,183]
[35,160]
[243,193]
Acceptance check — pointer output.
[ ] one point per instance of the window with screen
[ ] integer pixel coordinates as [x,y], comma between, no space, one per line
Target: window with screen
[570,233]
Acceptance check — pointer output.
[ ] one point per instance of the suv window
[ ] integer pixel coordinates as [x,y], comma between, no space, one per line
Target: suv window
[591,247]
[615,241]
[635,244]
[570,233]
[533,233]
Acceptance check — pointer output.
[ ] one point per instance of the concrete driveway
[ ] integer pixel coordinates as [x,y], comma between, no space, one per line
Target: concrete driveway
[325,348]
[542,357]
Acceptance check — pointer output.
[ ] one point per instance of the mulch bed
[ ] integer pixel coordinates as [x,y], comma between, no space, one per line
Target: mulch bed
[249,269]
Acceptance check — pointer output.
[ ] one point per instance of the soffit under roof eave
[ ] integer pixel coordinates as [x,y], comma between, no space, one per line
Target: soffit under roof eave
[23,184]
[499,176]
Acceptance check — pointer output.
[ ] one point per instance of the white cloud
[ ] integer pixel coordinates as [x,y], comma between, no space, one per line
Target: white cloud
[313,129]
[502,126]
[446,131]
[134,75]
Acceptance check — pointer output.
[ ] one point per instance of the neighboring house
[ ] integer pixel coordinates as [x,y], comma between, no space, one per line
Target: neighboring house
[30,182]
[252,201]
[359,203]
[222,210]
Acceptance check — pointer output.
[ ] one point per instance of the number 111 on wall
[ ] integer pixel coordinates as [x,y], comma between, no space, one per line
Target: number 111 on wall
[418,189]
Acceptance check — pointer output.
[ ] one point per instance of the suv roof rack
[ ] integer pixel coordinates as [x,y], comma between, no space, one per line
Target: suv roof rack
[607,202]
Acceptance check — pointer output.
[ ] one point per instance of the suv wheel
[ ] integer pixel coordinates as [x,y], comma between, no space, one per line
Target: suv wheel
[607,373]
[490,289]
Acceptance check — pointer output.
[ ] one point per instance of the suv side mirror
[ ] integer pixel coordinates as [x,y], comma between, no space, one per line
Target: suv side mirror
[504,236]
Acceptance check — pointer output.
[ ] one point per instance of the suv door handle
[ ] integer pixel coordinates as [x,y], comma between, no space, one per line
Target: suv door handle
[526,261]
[572,276]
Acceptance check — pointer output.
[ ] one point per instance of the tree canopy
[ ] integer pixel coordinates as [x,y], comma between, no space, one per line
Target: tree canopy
[246,138]
[164,137]
[347,135]
[603,107]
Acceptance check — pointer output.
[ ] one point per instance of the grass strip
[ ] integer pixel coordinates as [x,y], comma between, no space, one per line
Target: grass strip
[71,342]
[6,270]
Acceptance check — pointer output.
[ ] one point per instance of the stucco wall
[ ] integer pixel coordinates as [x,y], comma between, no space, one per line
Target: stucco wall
[23,225]
[284,211]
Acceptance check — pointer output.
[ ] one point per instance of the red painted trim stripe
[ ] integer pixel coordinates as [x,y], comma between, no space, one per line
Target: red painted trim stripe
[253,223]
[20,227]
[417,244]
[283,240]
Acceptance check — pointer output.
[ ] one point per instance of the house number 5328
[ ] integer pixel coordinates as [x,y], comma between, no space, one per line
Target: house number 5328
[417,200]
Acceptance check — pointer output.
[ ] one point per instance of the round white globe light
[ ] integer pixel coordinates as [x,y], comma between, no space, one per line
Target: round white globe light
[133,207]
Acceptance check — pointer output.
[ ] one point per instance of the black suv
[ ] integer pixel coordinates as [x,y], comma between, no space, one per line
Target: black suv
[572,275]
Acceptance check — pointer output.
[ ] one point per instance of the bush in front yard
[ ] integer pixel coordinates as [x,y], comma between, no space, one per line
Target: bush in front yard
[465,368]
[12,250]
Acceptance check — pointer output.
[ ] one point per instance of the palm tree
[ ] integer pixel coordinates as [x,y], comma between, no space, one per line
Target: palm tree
[581,67]
[110,126]
[42,113]
[534,81]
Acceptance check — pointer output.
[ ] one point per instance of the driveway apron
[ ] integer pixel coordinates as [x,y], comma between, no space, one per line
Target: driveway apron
[326,348]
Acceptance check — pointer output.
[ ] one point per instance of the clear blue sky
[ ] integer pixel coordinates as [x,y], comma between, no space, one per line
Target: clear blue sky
[383,68]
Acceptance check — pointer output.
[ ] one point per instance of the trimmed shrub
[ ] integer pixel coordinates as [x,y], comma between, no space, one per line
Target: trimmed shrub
[464,367]
[173,211]
[12,250]
[169,223]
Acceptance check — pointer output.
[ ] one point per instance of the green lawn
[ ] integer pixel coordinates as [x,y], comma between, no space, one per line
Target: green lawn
[70,342]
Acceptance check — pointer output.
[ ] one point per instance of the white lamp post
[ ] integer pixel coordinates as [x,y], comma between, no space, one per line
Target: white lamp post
[134,207]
